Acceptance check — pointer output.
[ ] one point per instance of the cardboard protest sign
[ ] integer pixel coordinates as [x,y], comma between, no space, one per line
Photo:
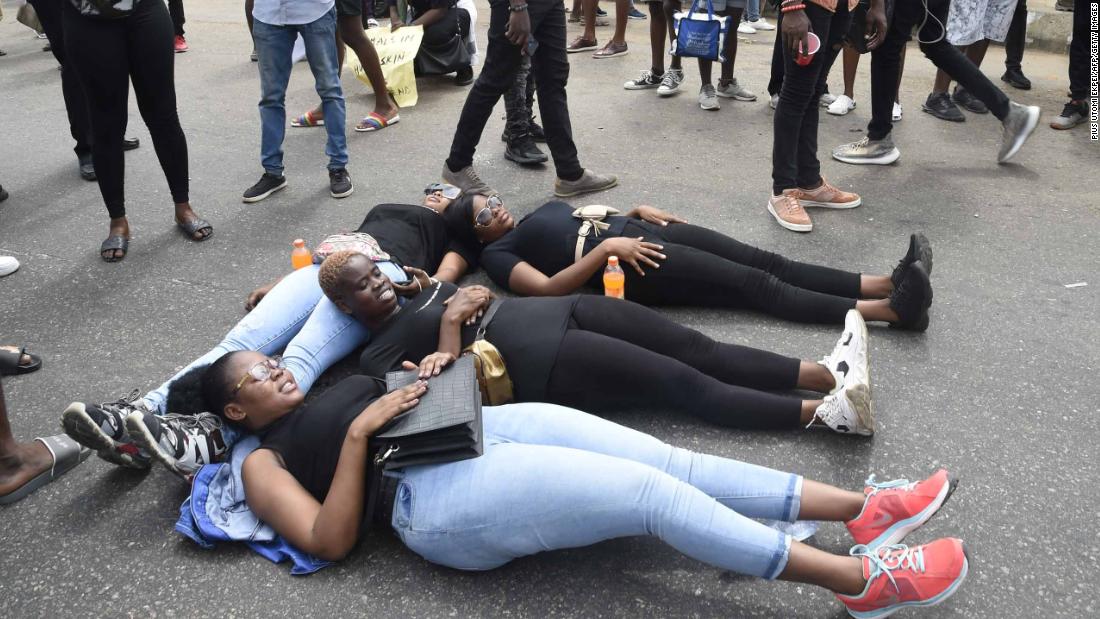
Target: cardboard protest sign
[396,51]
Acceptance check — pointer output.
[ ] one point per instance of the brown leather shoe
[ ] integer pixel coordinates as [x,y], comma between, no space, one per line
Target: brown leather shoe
[611,50]
[788,212]
[827,196]
[581,44]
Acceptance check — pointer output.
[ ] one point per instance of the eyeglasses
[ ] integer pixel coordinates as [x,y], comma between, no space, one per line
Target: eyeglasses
[449,191]
[484,217]
[259,373]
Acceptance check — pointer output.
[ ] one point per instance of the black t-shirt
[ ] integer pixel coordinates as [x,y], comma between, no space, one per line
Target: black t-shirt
[415,235]
[422,6]
[310,438]
[528,333]
[545,239]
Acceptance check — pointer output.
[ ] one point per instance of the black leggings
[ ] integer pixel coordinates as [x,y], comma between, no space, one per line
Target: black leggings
[708,268]
[107,55]
[618,354]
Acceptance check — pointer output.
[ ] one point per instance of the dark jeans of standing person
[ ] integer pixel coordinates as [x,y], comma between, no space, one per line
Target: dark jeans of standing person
[794,146]
[175,8]
[1016,38]
[775,82]
[109,54]
[885,62]
[550,67]
[654,362]
[519,101]
[76,106]
[1079,53]
[707,268]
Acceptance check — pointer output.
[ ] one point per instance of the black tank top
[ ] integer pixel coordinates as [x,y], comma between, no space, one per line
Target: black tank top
[310,438]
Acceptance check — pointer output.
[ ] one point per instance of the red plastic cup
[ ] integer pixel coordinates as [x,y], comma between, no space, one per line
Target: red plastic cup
[804,59]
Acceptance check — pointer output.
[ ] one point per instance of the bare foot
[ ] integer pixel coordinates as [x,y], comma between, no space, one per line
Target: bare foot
[27,461]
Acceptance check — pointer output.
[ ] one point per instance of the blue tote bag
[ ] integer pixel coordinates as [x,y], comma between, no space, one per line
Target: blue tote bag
[700,35]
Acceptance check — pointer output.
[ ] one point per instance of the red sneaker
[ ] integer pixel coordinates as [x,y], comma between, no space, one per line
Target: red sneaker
[893,509]
[180,44]
[900,576]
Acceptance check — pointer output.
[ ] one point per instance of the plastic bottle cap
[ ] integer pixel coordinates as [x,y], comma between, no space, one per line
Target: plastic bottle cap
[299,243]
[613,261]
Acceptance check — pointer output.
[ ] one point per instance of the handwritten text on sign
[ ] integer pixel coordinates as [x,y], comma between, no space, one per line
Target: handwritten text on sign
[396,51]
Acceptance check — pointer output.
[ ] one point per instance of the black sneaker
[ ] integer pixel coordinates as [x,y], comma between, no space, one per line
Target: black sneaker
[1016,79]
[919,249]
[267,185]
[912,298]
[941,106]
[339,183]
[87,168]
[130,143]
[464,76]
[182,443]
[523,151]
[102,428]
[3,194]
[963,97]
[535,131]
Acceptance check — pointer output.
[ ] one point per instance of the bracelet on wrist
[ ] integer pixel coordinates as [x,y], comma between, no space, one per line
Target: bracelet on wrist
[789,9]
[517,8]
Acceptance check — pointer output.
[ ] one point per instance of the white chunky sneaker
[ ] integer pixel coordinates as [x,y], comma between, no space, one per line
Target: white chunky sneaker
[848,411]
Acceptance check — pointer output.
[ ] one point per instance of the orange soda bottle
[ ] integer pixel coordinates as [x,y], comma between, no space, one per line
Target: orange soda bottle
[614,280]
[300,256]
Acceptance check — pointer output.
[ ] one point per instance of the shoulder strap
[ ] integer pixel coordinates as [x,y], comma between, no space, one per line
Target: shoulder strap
[487,318]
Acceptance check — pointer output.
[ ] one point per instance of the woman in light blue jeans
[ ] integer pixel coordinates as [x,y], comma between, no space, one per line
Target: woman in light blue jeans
[551,478]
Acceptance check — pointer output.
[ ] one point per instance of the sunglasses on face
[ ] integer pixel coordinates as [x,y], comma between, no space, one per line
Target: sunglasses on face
[449,191]
[259,373]
[484,217]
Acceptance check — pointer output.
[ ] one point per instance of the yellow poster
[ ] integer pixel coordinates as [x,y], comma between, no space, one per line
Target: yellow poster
[396,51]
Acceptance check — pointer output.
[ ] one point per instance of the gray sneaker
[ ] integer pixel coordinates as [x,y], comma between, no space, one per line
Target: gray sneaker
[868,152]
[1073,114]
[708,97]
[467,180]
[733,90]
[1018,126]
[670,83]
[588,182]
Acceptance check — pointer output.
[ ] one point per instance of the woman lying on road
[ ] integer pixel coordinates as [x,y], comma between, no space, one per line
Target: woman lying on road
[603,353]
[552,478]
[676,263]
[290,315]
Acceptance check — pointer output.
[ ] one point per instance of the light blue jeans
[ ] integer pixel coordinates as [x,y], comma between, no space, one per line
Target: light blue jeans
[752,10]
[553,477]
[274,46]
[296,318]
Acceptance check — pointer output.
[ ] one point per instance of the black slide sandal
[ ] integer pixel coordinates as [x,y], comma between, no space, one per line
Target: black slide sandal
[114,242]
[196,225]
[9,361]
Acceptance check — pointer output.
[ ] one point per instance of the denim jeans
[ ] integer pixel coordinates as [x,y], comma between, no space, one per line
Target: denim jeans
[553,477]
[886,60]
[549,68]
[296,318]
[274,46]
[752,11]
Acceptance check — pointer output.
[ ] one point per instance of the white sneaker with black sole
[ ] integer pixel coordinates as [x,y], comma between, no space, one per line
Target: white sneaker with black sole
[267,185]
[848,411]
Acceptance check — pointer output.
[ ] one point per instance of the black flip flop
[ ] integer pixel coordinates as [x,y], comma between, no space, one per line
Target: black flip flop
[115,242]
[9,362]
[196,225]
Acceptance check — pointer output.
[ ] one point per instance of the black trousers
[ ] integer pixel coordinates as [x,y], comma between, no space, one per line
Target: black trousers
[76,106]
[886,59]
[110,53]
[794,146]
[619,354]
[175,9]
[550,68]
[775,82]
[1079,52]
[1016,37]
[708,268]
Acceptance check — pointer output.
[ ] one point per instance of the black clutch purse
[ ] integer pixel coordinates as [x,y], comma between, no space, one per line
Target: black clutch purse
[445,425]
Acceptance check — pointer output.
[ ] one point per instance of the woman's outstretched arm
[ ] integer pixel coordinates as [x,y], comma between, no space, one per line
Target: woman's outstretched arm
[529,281]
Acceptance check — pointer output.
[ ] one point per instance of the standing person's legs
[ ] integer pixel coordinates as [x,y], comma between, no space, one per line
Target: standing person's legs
[515,101]
[775,83]
[274,45]
[957,66]
[175,8]
[19,462]
[98,51]
[617,45]
[351,30]
[76,105]
[1014,48]
[550,66]
[320,43]
[1078,53]
[151,62]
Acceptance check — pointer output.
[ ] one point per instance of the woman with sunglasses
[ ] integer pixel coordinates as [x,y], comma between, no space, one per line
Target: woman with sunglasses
[603,353]
[554,478]
[677,263]
[290,315]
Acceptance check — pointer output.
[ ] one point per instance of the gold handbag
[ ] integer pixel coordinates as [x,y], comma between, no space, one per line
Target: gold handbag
[492,375]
